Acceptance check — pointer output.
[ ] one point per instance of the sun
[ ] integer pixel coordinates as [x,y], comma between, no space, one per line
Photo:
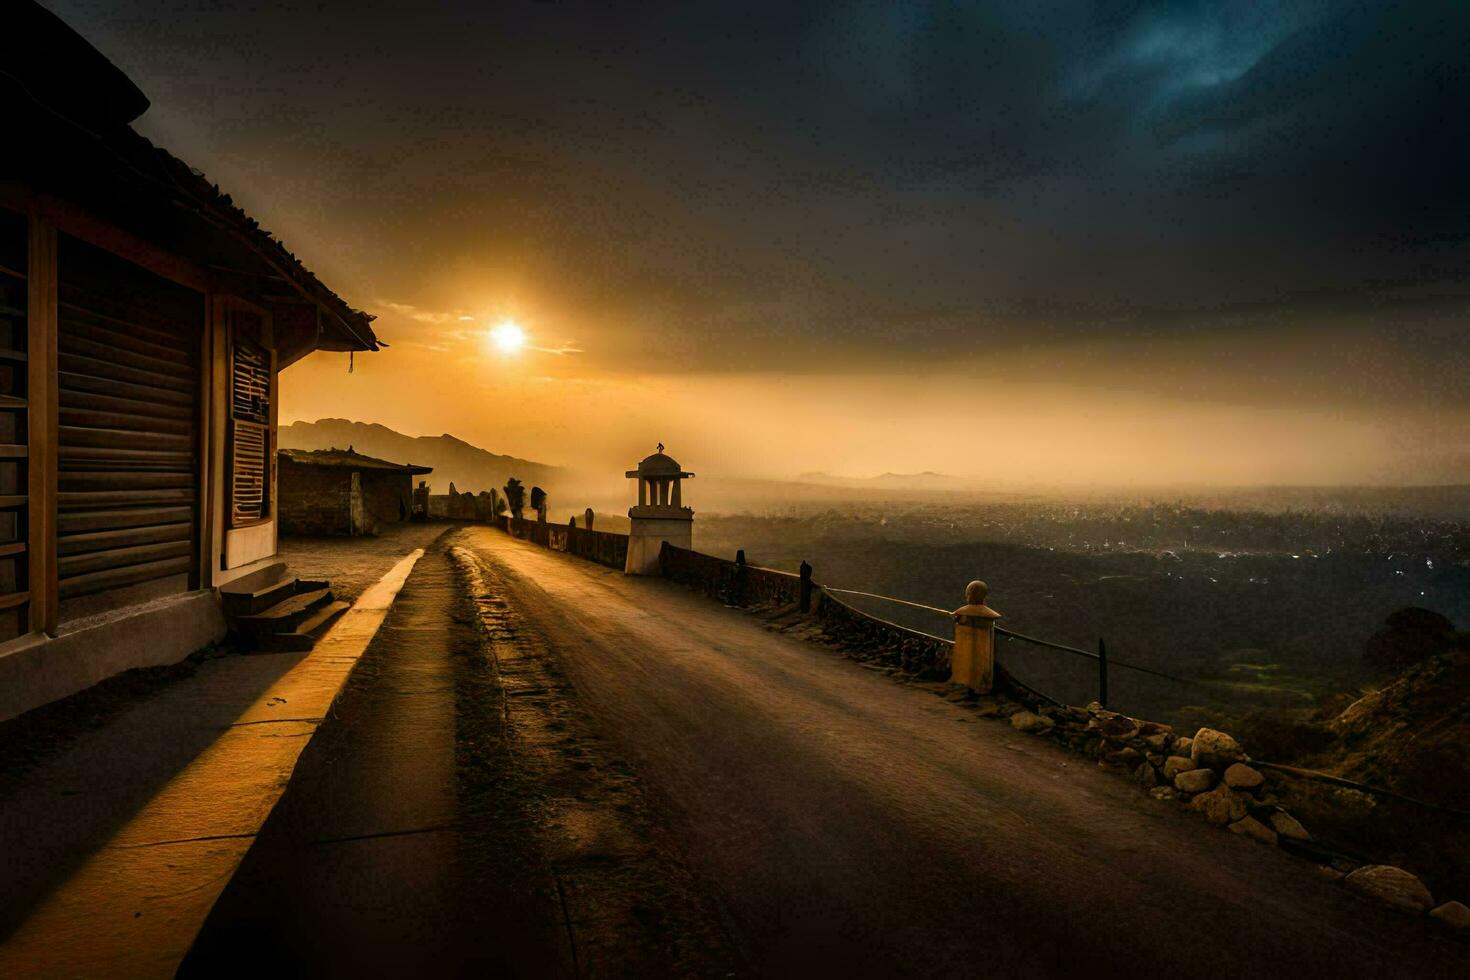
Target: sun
[508,337]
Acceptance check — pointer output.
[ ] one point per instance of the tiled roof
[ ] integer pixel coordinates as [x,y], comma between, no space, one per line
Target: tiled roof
[347,459]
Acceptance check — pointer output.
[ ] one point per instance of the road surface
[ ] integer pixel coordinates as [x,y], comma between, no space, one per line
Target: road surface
[848,825]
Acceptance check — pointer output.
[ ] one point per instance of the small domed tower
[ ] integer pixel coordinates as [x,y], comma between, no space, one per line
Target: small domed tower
[660,514]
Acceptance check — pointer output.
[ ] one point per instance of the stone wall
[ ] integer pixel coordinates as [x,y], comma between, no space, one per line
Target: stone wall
[387,497]
[462,506]
[910,651]
[865,637]
[317,500]
[731,583]
[603,547]
[313,500]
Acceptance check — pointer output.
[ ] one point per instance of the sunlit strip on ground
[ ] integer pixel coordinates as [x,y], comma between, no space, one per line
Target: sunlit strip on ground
[134,907]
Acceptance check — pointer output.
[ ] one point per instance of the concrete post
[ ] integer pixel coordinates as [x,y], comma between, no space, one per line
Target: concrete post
[973,662]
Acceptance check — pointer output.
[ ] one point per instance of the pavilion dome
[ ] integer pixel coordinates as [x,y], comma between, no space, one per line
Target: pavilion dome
[659,464]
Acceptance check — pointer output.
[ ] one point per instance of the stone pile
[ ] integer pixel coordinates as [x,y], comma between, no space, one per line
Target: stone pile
[1210,774]
[1209,771]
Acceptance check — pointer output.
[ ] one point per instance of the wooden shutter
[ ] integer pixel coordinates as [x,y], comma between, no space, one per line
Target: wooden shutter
[127,389]
[250,417]
[14,451]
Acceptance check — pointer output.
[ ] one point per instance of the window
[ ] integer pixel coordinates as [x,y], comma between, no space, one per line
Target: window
[250,420]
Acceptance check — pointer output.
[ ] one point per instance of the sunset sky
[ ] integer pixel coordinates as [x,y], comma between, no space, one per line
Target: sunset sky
[1116,242]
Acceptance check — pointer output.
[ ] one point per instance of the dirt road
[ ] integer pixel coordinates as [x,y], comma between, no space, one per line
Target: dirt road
[849,825]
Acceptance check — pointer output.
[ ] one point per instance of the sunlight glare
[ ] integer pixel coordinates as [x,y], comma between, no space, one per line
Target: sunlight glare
[508,337]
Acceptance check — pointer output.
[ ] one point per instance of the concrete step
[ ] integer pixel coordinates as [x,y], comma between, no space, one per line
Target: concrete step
[258,579]
[309,630]
[259,600]
[284,616]
[252,603]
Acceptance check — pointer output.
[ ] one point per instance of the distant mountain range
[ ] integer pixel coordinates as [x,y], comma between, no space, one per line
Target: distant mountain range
[474,469]
[454,460]
[887,481]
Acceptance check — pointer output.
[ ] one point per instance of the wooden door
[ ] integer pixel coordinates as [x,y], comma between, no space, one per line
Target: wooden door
[128,438]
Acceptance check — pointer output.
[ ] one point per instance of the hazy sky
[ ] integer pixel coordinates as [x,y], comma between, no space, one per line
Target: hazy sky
[1032,241]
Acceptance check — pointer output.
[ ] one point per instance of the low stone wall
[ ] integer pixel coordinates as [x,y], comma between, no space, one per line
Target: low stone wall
[888,643]
[462,506]
[730,582]
[603,547]
[863,636]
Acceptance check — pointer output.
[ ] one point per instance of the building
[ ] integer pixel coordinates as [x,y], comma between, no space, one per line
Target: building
[143,322]
[338,491]
[660,515]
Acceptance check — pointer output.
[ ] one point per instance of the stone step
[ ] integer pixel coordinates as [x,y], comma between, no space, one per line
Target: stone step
[308,631]
[284,616]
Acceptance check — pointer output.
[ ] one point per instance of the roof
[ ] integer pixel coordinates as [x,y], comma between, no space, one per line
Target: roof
[658,464]
[190,189]
[81,107]
[347,459]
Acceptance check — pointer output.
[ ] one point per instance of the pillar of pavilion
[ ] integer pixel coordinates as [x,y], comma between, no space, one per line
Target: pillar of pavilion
[660,514]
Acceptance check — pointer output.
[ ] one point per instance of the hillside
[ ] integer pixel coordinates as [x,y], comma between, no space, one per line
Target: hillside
[454,460]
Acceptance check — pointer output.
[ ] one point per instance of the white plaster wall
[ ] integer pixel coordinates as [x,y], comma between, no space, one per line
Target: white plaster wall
[647,538]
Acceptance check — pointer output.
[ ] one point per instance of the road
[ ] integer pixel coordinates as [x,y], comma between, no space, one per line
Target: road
[846,824]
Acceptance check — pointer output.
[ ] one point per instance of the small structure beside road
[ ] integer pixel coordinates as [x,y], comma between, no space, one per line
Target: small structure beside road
[660,515]
[339,491]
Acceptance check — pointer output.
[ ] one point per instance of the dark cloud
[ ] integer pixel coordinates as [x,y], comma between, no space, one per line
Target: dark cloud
[757,185]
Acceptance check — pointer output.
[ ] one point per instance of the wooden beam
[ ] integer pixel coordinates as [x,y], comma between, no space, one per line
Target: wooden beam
[41,428]
[75,221]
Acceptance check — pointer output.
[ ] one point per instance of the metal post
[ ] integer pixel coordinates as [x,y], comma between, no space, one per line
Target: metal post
[806,588]
[1102,672]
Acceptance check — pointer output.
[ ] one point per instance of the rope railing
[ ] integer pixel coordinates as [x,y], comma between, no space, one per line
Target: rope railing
[1101,657]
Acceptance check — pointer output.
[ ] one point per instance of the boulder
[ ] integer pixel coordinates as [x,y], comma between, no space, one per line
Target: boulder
[1221,806]
[1455,915]
[1392,886]
[1254,829]
[1119,728]
[1408,636]
[1176,764]
[1288,826]
[1125,756]
[1182,745]
[1194,780]
[1242,776]
[1162,793]
[1158,742]
[1146,776]
[1026,721]
[1215,749]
